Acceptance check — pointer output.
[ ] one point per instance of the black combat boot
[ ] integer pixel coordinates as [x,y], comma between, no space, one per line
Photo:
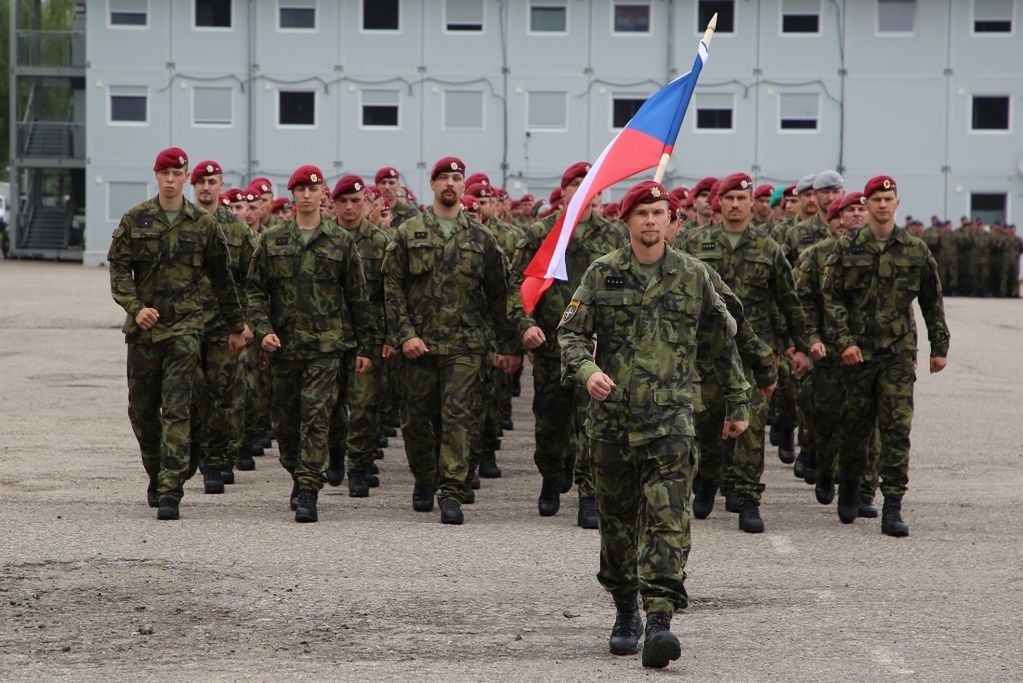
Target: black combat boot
[472,477]
[703,498]
[451,512]
[732,503]
[151,498]
[506,423]
[624,638]
[267,439]
[293,498]
[357,486]
[247,462]
[488,466]
[213,481]
[382,441]
[549,501]
[587,516]
[227,474]
[750,520]
[773,435]
[867,508]
[891,519]
[168,509]
[469,496]
[371,471]
[390,432]
[305,511]
[848,501]
[786,445]
[824,489]
[660,646]
[255,450]
[422,498]
[568,475]
[335,472]
[809,466]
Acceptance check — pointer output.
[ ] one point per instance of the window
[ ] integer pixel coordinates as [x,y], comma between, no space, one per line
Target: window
[989,206]
[381,15]
[800,16]
[546,111]
[464,16]
[212,106]
[296,108]
[128,104]
[380,108]
[296,15]
[631,17]
[990,113]
[129,13]
[896,16]
[123,196]
[463,110]
[799,111]
[548,16]
[992,16]
[715,111]
[725,9]
[213,13]
[623,108]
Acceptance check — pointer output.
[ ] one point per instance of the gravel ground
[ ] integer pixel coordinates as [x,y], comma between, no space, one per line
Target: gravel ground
[93,587]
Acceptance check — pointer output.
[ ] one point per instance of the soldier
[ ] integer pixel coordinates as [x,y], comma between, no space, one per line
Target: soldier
[444,282]
[306,287]
[762,213]
[266,200]
[644,306]
[282,209]
[980,259]
[388,185]
[158,256]
[870,282]
[1015,248]
[699,196]
[754,268]
[560,451]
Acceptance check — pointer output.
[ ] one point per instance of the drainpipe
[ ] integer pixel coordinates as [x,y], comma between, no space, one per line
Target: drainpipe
[250,112]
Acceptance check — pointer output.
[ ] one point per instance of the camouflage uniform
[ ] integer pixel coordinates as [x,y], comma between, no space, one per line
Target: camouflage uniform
[161,266]
[401,212]
[557,407]
[868,294]
[642,434]
[980,262]
[313,296]
[449,292]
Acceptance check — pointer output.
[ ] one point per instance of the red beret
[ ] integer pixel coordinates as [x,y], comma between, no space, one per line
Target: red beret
[480,190]
[843,202]
[172,157]
[385,204]
[447,165]
[480,178]
[372,194]
[764,190]
[347,185]
[577,170]
[234,194]
[527,198]
[557,194]
[704,185]
[673,203]
[280,203]
[791,191]
[470,203]
[680,193]
[500,192]
[224,198]
[263,184]
[715,204]
[735,181]
[406,193]
[203,169]
[879,183]
[610,210]
[252,193]
[385,172]
[305,175]
[645,192]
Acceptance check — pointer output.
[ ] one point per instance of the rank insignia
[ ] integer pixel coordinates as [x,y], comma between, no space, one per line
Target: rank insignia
[145,222]
[709,246]
[614,282]
[281,241]
[808,239]
[420,235]
[570,311]
[858,249]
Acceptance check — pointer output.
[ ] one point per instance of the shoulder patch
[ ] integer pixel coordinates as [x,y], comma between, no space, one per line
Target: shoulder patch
[614,282]
[570,310]
[709,246]
[420,235]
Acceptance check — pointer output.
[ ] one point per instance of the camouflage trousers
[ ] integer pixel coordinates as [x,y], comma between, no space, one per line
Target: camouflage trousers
[783,400]
[160,383]
[337,434]
[365,397]
[804,416]
[304,393]
[439,392]
[220,406]
[715,452]
[948,275]
[643,510]
[485,430]
[560,413]
[258,388]
[879,394]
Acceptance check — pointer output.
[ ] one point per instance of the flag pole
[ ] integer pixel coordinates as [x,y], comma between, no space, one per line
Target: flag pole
[708,36]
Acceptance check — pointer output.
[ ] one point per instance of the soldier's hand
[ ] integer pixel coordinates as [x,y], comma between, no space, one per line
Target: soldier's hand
[533,338]
[599,386]
[852,355]
[147,318]
[733,429]
[362,365]
[938,363]
[800,364]
[236,343]
[414,348]
[765,392]
[247,335]
[509,364]
[817,351]
[271,343]
[388,352]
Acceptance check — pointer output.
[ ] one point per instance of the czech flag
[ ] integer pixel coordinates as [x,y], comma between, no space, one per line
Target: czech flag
[638,147]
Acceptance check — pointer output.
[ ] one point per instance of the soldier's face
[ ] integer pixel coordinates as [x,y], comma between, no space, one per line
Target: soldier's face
[239,209]
[350,209]
[736,207]
[252,213]
[881,206]
[672,232]
[702,204]
[388,187]
[825,197]
[648,223]
[307,198]
[386,216]
[448,187]
[207,189]
[791,206]
[569,190]
[266,202]
[808,205]
[762,208]
[488,207]
[853,217]
[171,182]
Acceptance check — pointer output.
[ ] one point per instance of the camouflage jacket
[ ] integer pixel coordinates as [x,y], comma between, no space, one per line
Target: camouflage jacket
[809,275]
[869,291]
[592,239]
[402,212]
[450,292]
[161,266]
[240,248]
[372,243]
[780,229]
[508,235]
[760,276]
[803,235]
[313,295]
[647,343]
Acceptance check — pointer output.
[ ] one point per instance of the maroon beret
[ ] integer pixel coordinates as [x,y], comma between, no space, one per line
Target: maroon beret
[263,184]
[406,193]
[527,198]
[372,194]
[203,169]
[447,165]
[705,185]
[280,203]
[764,190]
[470,203]
[234,194]
[500,192]
[645,192]
[480,178]
[557,194]
[735,181]
[610,210]
[224,198]
[715,204]
[305,175]
[347,185]
[172,157]
[791,191]
[680,193]
[577,170]
[385,172]
[479,190]
[252,193]
[843,202]
[879,183]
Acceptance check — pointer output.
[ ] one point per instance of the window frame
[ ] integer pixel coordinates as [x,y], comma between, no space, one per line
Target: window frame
[530,128]
[621,96]
[115,218]
[296,126]
[878,33]
[1008,202]
[230,90]
[385,31]
[362,126]
[444,111]
[633,34]
[548,3]
[718,131]
[800,131]
[990,131]
[221,29]
[991,34]
[800,34]
[128,27]
[110,107]
[314,4]
[701,30]
[447,31]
